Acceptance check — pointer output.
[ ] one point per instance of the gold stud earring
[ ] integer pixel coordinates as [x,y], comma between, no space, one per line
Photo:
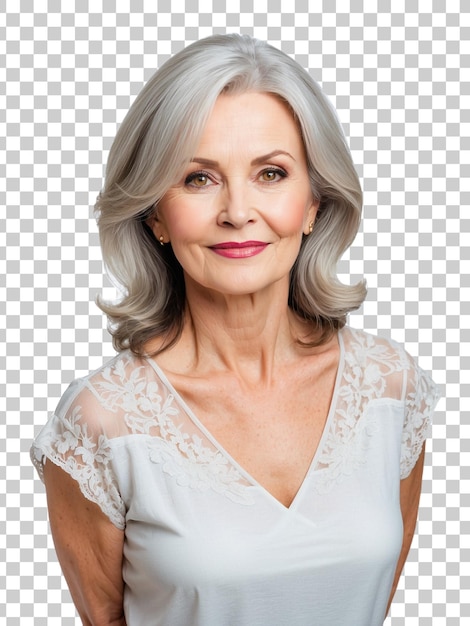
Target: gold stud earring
[160,239]
[310,228]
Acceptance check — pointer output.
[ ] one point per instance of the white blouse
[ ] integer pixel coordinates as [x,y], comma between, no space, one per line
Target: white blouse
[205,544]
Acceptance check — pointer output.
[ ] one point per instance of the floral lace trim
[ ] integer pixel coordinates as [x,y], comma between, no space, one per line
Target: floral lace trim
[87,462]
[124,389]
[420,403]
[200,468]
[181,455]
[364,379]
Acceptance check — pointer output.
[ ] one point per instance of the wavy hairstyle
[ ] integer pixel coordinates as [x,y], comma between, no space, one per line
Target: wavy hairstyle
[155,143]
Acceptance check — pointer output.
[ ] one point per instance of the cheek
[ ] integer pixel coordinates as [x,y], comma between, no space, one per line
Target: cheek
[187,226]
[178,229]
[289,216]
[182,222]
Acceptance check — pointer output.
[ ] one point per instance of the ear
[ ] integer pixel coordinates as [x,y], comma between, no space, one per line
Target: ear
[310,217]
[157,228]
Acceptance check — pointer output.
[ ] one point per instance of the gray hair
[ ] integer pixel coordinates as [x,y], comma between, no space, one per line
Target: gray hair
[155,143]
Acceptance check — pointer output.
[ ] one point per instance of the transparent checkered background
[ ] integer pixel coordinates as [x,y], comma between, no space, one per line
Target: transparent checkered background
[399,78]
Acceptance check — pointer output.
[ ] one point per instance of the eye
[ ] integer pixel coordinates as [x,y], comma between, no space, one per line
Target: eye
[198,179]
[272,175]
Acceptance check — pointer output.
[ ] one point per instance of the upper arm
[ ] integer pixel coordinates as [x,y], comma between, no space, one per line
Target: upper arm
[410,491]
[89,547]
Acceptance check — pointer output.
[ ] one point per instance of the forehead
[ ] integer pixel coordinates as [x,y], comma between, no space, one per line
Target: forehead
[250,118]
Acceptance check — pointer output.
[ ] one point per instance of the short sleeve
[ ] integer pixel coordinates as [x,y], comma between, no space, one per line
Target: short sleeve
[421,397]
[74,440]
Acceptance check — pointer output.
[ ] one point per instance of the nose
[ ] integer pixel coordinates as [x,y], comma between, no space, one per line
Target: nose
[236,206]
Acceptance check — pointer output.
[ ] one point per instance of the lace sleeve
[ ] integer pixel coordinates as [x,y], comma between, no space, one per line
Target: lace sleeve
[420,400]
[73,440]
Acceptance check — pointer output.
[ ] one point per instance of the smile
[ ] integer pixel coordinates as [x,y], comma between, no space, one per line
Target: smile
[239,250]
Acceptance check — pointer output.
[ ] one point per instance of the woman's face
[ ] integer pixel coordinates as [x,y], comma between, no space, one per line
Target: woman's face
[235,219]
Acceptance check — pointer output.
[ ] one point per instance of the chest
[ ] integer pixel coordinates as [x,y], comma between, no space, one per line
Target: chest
[272,433]
[201,545]
[194,531]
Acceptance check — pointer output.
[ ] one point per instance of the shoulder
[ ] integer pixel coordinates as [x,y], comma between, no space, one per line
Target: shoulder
[78,437]
[365,349]
[120,398]
[379,357]
[100,399]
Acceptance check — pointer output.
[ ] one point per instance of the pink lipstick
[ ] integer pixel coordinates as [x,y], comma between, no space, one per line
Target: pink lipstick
[239,250]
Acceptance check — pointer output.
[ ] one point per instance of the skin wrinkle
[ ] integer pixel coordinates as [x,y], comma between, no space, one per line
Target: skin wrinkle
[232,305]
[237,363]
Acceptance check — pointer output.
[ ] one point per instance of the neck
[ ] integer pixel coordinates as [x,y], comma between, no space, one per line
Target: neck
[248,334]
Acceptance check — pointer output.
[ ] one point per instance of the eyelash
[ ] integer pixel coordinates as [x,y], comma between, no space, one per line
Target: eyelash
[277,170]
[189,179]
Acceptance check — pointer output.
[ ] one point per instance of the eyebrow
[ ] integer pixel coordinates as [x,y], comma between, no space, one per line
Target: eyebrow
[258,161]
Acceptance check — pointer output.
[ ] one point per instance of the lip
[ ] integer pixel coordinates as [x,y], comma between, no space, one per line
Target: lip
[239,249]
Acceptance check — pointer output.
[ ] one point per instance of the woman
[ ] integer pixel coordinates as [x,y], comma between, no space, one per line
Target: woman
[246,458]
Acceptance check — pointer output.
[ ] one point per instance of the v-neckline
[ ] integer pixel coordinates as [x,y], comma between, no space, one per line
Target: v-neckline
[207,433]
